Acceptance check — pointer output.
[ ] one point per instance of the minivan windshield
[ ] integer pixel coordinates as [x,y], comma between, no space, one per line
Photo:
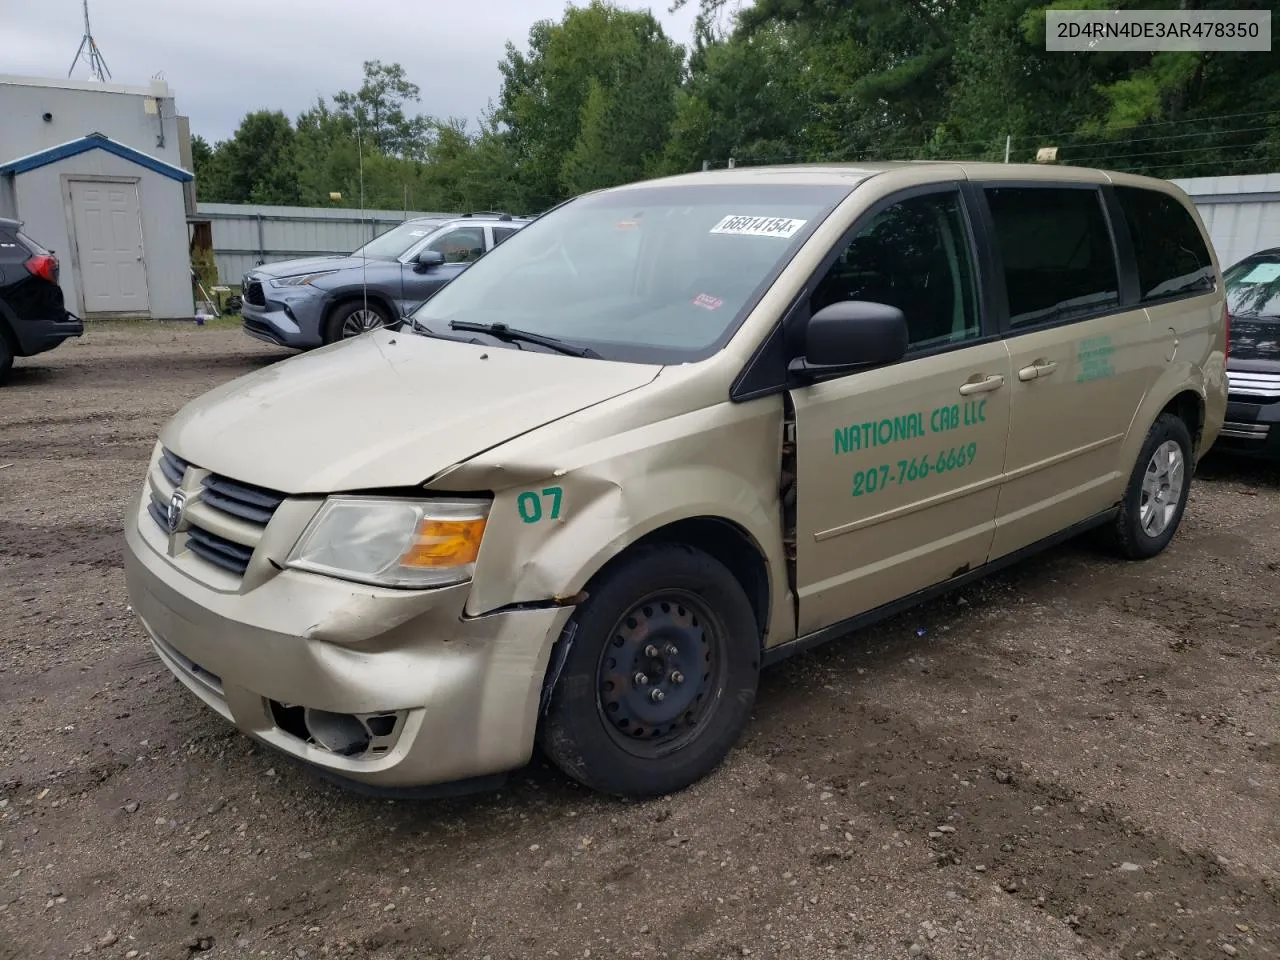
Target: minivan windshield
[397,241]
[1253,288]
[648,274]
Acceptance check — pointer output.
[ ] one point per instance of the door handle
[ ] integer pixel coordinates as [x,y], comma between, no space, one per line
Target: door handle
[1041,368]
[985,385]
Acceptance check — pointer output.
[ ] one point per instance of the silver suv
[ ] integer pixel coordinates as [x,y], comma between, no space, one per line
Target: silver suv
[308,303]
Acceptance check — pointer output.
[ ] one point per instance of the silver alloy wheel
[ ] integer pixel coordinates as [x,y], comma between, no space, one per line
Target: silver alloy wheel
[361,321]
[1162,488]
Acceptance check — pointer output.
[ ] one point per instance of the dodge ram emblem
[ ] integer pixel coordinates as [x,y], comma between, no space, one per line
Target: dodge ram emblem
[177,503]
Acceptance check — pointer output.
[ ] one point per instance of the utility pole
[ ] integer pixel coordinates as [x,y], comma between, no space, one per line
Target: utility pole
[1008,145]
[90,53]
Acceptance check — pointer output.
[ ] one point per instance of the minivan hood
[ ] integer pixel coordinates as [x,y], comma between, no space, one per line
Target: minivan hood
[384,410]
[294,268]
[1255,339]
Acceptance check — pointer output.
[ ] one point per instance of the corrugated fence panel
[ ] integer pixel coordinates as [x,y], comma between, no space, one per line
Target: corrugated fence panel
[245,235]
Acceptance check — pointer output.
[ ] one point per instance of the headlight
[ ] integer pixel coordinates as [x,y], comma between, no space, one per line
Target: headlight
[301,279]
[393,543]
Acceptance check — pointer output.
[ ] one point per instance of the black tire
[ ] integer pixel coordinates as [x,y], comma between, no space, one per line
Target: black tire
[683,601]
[1128,535]
[6,356]
[334,326]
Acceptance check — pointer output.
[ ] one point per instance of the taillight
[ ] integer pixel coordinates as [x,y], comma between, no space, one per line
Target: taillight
[44,266]
[1226,328]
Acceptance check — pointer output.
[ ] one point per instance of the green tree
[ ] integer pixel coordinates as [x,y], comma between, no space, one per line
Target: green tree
[636,69]
[378,109]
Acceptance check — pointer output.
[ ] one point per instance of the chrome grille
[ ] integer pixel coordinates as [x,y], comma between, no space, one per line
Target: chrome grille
[1264,386]
[1246,431]
[219,551]
[225,521]
[250,503]
[173,467]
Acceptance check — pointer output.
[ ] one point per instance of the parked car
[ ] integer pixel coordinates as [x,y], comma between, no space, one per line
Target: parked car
[33,318]
[312,302]
[667,434]
[1253,367]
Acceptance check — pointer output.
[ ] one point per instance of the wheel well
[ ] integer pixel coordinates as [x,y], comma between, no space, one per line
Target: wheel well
[357,297]
[1189,408]
[725,541]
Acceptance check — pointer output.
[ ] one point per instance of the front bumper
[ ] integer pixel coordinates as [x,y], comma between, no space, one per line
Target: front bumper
[466,691]
[1252,429]
[291,320]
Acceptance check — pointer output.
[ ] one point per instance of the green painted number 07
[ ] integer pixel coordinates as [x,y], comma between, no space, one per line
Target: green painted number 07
[530,504]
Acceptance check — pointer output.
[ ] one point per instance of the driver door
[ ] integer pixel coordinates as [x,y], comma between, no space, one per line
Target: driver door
[898,468]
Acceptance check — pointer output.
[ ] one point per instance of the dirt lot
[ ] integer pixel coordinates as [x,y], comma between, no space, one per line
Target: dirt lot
[1076,759]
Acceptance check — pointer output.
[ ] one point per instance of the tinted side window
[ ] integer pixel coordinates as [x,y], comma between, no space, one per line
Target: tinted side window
[11,248]
[1057,252]
[460,246]
[915,256]
[1172,258]
[501,233]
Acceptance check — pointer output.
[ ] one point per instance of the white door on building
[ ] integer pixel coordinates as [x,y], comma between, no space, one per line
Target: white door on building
[108,225]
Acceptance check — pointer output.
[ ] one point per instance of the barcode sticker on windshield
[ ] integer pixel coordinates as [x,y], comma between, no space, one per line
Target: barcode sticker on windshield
[783,227]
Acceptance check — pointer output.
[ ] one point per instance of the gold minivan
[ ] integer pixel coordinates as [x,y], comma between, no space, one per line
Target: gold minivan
[667,434]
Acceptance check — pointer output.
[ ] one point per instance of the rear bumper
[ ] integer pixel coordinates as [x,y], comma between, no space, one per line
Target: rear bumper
[43,334]
[1251,429]
[464,692]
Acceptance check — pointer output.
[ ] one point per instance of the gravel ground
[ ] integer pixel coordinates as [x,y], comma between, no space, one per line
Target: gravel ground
[1077,758]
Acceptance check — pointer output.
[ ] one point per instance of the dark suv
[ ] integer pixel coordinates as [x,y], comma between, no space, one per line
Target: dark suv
[1253,368]
[32,316]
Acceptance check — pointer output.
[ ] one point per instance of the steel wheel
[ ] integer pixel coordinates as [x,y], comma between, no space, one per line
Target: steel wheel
[660,673]
[360,321]
[1162,488]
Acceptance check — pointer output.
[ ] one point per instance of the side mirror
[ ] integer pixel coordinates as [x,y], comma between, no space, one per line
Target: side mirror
[852,335]
[427,259]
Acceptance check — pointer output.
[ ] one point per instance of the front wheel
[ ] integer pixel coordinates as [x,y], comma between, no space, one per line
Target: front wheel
[352,319]
[660,678]
[1158,489]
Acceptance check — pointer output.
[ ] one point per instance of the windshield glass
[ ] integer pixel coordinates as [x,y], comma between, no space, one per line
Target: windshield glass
[651,274]
[1253,288]
[397,240]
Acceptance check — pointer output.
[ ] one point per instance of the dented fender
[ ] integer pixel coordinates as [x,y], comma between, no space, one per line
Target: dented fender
[557,520]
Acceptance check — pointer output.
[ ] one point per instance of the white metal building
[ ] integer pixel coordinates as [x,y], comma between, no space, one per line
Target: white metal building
[1241,213]
[97,174]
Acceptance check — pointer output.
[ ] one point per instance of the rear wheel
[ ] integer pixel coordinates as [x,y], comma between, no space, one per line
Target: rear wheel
[352,319]
[660,678]
[1156,496]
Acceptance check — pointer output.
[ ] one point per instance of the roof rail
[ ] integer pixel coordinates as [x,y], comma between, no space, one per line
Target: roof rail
[489,213]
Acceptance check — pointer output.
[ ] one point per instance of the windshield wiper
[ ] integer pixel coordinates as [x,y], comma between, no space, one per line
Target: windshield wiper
[512,335]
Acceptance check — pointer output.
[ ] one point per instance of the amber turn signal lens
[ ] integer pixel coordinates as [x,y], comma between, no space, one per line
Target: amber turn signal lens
[444,543]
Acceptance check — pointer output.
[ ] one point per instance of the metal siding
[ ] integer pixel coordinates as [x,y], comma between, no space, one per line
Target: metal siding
[289,233]
[42,204]
[1241,213]
[115,111]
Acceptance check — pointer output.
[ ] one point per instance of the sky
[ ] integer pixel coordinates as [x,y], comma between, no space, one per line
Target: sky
[225,59]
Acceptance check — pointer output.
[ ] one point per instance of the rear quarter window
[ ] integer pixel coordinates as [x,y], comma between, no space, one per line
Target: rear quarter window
[11,248]
[1170,251]
[1058,258]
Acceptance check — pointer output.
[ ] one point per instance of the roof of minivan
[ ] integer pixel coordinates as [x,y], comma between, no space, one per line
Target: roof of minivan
[850,174]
